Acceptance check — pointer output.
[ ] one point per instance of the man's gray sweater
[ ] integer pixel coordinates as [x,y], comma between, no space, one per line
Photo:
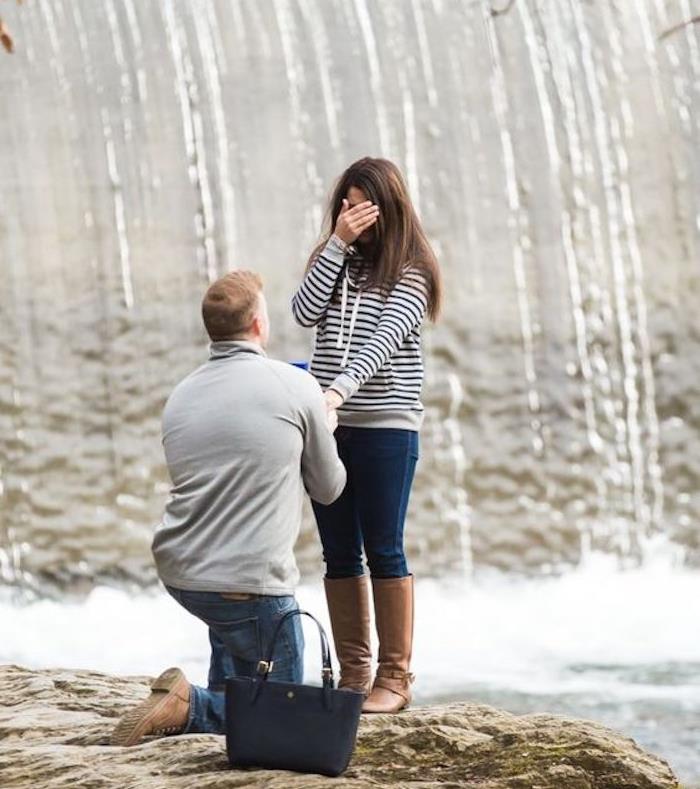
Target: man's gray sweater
[244,435]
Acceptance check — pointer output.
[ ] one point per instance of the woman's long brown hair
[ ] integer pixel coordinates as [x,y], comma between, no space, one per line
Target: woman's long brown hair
[399,239]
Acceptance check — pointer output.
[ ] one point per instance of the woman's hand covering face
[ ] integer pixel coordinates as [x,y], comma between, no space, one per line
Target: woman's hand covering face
[353,221]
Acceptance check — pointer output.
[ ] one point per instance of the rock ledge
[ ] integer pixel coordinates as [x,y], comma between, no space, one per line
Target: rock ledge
[55,726]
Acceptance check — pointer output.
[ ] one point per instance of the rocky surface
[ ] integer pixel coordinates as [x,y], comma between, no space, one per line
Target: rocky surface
[55,727]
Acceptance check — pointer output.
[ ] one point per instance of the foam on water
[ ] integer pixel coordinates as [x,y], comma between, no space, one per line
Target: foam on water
[530,636]
[617,647]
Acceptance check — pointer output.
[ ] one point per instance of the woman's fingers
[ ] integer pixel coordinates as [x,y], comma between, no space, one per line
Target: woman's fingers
[359,227]
[358,213]
[368,222]
[352,221]
[359,207]
[369,215]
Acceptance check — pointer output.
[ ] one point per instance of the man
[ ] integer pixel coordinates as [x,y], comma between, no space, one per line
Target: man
[243,436]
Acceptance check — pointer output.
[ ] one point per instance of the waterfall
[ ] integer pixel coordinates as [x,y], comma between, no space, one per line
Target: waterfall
[552,153]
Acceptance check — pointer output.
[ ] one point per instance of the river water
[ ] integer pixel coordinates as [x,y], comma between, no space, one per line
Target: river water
[594,643]
[552,153]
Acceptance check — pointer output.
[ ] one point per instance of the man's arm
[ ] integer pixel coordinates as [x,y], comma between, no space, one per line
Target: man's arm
[322,471]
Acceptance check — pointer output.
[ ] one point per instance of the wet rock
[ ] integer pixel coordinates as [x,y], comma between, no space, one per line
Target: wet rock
[55,727]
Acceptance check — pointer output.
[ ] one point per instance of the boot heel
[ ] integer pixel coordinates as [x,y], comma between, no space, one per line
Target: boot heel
[393,609]
[165,711]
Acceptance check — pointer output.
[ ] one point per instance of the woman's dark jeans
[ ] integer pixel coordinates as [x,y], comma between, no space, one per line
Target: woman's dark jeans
[371,510]
[239,632]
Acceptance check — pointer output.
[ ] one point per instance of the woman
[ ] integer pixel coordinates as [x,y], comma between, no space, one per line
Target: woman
[367,288]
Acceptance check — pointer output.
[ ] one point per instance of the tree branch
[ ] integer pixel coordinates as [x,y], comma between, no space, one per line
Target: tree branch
[6,38]
[693,20]
[500,11]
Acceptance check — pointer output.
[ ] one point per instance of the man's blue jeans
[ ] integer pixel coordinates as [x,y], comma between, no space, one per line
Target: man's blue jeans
[371,510]
[239,632]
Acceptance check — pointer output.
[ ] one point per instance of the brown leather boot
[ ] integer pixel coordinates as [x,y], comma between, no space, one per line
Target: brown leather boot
[393,612]
[348,606]
[165,711]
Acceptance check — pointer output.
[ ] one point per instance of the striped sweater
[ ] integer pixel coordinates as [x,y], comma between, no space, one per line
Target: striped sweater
[367,345]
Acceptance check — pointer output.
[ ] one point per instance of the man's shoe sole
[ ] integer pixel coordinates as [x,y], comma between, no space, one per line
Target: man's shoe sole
[136,721]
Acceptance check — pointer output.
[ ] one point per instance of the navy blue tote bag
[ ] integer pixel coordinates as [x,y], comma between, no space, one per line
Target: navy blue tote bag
[286,726]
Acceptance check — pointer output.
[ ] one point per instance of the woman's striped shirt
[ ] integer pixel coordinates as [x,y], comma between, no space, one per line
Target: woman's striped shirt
[371,356]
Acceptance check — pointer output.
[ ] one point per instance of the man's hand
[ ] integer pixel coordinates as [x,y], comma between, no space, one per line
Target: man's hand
[353,221]
[333,399]
[332,416]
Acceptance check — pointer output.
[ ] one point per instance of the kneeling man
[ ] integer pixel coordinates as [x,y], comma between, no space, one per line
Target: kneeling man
[244,435]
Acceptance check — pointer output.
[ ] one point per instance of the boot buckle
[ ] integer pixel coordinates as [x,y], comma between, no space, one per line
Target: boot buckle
[405,676]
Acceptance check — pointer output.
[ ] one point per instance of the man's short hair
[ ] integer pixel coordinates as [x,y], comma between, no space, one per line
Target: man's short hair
[229,306]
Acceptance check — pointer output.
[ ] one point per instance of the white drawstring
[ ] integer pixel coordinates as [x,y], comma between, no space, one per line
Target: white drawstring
[353,318]
[355,309]
[343,302]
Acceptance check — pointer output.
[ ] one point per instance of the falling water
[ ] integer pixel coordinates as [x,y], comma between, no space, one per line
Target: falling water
[549,150]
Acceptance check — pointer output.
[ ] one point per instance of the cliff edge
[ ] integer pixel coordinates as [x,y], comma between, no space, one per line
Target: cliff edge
[55,726]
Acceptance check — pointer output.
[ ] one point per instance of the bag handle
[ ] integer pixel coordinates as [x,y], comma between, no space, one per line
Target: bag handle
[265,665]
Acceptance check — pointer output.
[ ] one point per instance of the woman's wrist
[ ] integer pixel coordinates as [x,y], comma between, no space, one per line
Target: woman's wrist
[339,242]
[344,385]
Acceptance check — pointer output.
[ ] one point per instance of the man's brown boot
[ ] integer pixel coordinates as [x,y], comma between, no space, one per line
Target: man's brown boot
[348,607]
[393,612]
[165,711]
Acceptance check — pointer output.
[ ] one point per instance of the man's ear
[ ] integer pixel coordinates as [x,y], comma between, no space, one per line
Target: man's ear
[256,325]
